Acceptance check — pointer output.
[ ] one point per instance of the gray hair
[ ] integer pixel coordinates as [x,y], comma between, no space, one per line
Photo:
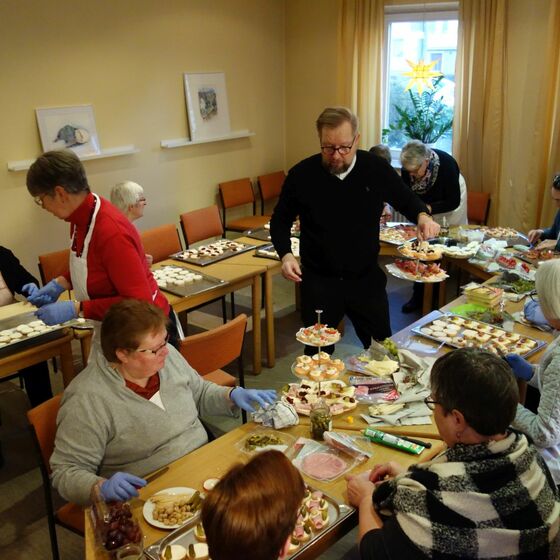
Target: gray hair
[126,194]
[333,117]
[547,282]
[414,153]
[382,151]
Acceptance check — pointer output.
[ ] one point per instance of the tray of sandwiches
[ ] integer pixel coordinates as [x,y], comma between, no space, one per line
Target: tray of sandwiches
[459,332]
[212,253]
[339,397]
[397,233]
[25,330]
[181,281]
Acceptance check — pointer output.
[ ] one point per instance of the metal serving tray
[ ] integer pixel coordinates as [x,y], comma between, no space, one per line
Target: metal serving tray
[207,283]
[260,252]
[474,343]
[204,261]
[28,340]
[185,534]
[262,234]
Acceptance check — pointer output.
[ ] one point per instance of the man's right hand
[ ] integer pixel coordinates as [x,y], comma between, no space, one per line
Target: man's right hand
[534,235]
[290,268]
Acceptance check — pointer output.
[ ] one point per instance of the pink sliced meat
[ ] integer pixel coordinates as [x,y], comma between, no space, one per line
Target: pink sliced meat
[323,466]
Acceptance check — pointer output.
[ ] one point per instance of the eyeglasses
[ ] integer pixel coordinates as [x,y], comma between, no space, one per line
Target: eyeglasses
[342,150]
[431,404]
[38,200]
[556,182]
[157,350]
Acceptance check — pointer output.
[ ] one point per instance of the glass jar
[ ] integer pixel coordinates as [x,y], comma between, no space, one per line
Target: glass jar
[320,418]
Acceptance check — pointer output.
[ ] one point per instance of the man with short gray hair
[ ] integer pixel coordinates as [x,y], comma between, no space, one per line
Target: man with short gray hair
[338,195]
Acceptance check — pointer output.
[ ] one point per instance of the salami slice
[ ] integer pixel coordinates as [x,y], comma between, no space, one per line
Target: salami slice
[323,466]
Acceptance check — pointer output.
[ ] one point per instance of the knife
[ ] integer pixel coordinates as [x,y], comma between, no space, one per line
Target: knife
[157,474]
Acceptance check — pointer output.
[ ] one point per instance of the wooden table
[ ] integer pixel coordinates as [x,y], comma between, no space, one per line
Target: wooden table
[214,460]
[61,346]
[236,277]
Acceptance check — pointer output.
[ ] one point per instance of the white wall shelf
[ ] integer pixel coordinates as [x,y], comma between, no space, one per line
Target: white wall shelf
[179,142]
[25,164]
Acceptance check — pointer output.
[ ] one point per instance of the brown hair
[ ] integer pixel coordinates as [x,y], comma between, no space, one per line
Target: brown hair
[126,323]
[250,514]
[333,117]
[57,168]
[478,384]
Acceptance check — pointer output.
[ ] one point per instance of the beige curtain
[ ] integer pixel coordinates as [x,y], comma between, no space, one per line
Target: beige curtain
[479,97]
[360,64]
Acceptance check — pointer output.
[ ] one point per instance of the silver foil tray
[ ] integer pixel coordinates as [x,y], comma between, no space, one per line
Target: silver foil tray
[207,283]
[204,261]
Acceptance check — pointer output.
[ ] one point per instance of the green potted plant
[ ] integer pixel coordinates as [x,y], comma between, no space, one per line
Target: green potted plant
[426,118]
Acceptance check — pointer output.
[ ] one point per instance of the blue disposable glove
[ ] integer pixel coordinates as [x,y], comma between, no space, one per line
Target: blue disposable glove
[29,290]
[533,312]
[47,294]
[58,312]
[244,398]
[522,369]
[121,487]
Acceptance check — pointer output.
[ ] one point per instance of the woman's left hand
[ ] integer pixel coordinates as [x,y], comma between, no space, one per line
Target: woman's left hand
[244,398]
[56,313]
[359,488]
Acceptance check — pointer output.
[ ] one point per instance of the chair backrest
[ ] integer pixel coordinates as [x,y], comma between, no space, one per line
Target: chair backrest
[214,349]
[43,420]
[478,207]
[160,242]
[53,265]
[201,224]
[270,186]
[236,193]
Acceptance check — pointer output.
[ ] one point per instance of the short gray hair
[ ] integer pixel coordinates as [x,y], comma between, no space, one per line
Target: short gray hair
[382,151]
[333,117]
[414,153]
[547,282]
[126,194]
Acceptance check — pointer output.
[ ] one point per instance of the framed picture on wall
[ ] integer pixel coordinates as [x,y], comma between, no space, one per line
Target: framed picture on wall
[68,127]
[207,105]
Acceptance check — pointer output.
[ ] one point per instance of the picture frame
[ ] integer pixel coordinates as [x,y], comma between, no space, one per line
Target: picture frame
[207,105]
[71,127]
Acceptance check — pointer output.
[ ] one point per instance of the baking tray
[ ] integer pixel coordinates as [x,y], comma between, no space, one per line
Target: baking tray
[270,247]
[448,317]
[185,534]
[205,261]
[262,234]
[206,283]
[28,340]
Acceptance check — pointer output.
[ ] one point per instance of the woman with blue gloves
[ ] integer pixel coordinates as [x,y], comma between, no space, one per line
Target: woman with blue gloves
[544,426]
[135,408]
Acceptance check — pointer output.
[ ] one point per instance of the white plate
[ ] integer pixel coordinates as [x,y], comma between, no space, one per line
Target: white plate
[149,507]
[398,273]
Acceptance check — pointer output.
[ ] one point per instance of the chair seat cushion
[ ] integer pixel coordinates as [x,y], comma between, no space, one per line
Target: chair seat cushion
[220,377]
[249,222]
[71,516]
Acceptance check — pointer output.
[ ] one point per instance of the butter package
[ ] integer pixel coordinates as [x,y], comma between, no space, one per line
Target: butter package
[390,440]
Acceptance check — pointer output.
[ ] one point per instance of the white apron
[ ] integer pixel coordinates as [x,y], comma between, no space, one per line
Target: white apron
[78,264]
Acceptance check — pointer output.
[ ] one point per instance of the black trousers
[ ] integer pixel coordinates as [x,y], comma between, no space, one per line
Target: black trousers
[172,330]
[363,300]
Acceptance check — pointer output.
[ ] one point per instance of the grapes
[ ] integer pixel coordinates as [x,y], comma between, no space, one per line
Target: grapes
[391,347]
[119,527]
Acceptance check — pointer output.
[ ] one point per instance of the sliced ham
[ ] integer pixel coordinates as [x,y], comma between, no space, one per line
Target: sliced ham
[323,466]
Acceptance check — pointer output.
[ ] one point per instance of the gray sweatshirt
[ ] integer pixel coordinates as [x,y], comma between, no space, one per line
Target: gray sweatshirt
[104,427]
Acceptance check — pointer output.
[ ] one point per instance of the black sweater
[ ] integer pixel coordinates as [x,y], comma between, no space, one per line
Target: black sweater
[13,272]
[339,219]
[445,193]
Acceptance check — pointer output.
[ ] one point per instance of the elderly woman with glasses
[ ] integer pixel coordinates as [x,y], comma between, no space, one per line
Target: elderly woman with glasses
[129,198]
[135,408]
[489,495]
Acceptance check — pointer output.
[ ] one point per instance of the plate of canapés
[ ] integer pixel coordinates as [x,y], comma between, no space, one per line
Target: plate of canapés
[318,334]
[319,367]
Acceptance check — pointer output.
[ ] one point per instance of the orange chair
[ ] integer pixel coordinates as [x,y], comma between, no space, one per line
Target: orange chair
[160,242]
[240,193]
[478,207]
[210,351]
[201,224]
[53,265]
[43,427]
[270,186]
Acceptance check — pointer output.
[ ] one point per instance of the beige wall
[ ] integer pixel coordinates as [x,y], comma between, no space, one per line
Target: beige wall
[127,59]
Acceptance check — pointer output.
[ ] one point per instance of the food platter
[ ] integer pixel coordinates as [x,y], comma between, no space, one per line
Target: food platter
[452,248]
[182,281]
[459,332]
[318,335]
[338,396]
[264,439]
[262,234]
[212,253]
[397,233]
[421,277]
[420,250]
[150,506]
[269,252]
[319,367]
[536,256]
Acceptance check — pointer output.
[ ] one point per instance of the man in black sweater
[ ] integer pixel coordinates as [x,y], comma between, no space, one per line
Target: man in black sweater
[339,196]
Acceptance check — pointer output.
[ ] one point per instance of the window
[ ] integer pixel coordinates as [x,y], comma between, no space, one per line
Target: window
[418,36]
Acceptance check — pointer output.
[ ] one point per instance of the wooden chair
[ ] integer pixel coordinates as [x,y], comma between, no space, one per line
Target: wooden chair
[240,193]
[161,241]
[270,186]
[210,351]
[53,265]
[201,224]
[42,419]
[478,207]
